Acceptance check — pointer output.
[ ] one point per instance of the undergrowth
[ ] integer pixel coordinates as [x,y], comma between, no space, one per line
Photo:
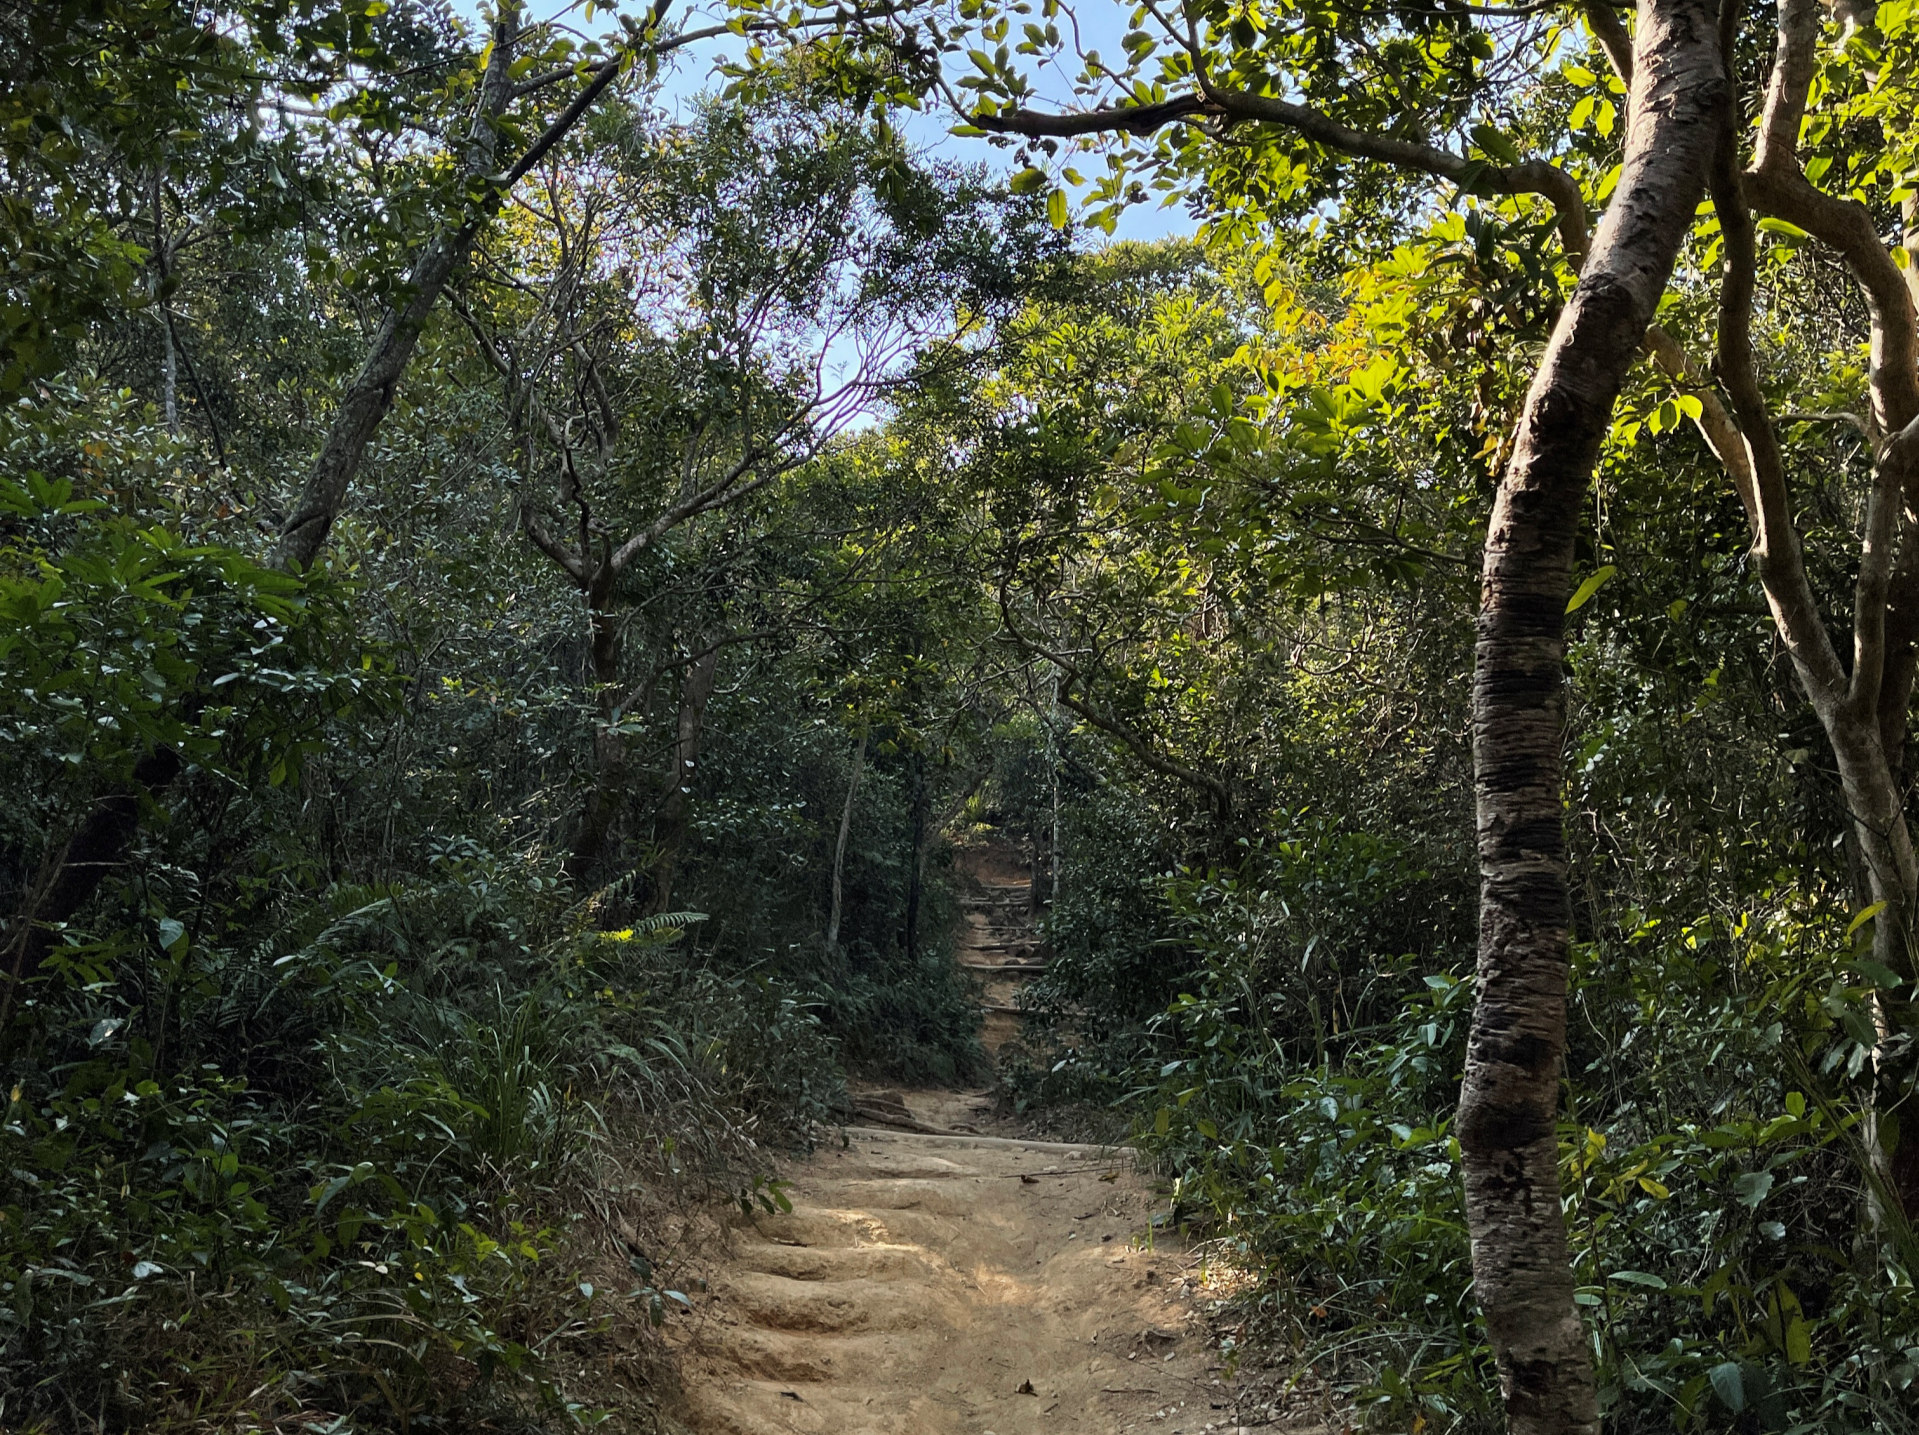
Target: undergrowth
[425,1163]
[1297,1088]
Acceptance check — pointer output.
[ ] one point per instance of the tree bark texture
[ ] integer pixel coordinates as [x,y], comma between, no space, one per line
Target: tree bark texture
[369,397]
[607,795]
[839,847]
[1509,1101]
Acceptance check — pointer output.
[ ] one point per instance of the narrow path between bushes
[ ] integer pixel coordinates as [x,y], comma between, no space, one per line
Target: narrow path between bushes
[958,1283]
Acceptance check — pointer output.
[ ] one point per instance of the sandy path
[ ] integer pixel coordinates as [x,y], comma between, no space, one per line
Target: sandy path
[955,1285]
[937,1284]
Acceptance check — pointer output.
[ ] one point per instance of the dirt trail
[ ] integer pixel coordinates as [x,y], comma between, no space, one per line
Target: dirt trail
[956,1284]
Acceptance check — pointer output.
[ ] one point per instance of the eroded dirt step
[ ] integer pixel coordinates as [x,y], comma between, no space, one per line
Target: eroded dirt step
[934,1280]
[926,1284]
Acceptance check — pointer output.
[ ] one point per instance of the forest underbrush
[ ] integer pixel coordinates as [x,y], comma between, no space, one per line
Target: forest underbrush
[433,1160]
[1734,1257]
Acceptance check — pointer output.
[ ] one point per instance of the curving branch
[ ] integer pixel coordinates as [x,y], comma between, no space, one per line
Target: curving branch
[1794,61]
[1141,747]
[1610,31]
[1776,547]
[1229,107]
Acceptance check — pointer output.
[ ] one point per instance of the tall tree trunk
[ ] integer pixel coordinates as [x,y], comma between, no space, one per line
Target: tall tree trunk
[1865,712]
[1877,807]
[1509,1100]
[671,823]
[839,847]
[169,380]
[607,795]
[916,856]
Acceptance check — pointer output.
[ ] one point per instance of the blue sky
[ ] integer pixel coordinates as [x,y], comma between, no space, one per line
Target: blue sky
[1102,23]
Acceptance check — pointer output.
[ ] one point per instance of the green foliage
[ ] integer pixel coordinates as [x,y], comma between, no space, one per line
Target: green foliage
[341,1097]
[393,1214]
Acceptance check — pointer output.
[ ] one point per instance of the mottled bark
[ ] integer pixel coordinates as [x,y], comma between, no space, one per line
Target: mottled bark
[1509,1101]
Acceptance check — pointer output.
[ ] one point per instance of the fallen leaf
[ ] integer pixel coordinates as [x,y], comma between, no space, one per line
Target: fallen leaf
[1025,1387]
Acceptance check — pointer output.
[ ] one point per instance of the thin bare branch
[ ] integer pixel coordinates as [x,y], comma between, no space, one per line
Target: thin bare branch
[1861,422]
[551,546]
[1136,744]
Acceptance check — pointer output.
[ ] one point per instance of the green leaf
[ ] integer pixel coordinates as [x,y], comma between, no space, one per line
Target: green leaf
[1639,1278]
[1496,144]
[1753,1187]
[1583,593]
[1798,1341]
[1056,209]
[1866,914]
[1729,1384]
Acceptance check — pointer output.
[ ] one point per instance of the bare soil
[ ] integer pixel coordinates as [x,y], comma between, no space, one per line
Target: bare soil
[956,1284]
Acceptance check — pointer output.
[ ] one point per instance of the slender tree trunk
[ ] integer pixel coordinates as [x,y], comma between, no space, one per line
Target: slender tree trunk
[916,857]
[607,795]
[169,380]
[1052,844]
[839,847]
[1509,1102]
[368,398]
[695,693]
[1889,867]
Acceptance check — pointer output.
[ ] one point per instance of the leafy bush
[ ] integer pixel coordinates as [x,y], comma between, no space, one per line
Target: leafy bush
[392,1226]
[1715,1183]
